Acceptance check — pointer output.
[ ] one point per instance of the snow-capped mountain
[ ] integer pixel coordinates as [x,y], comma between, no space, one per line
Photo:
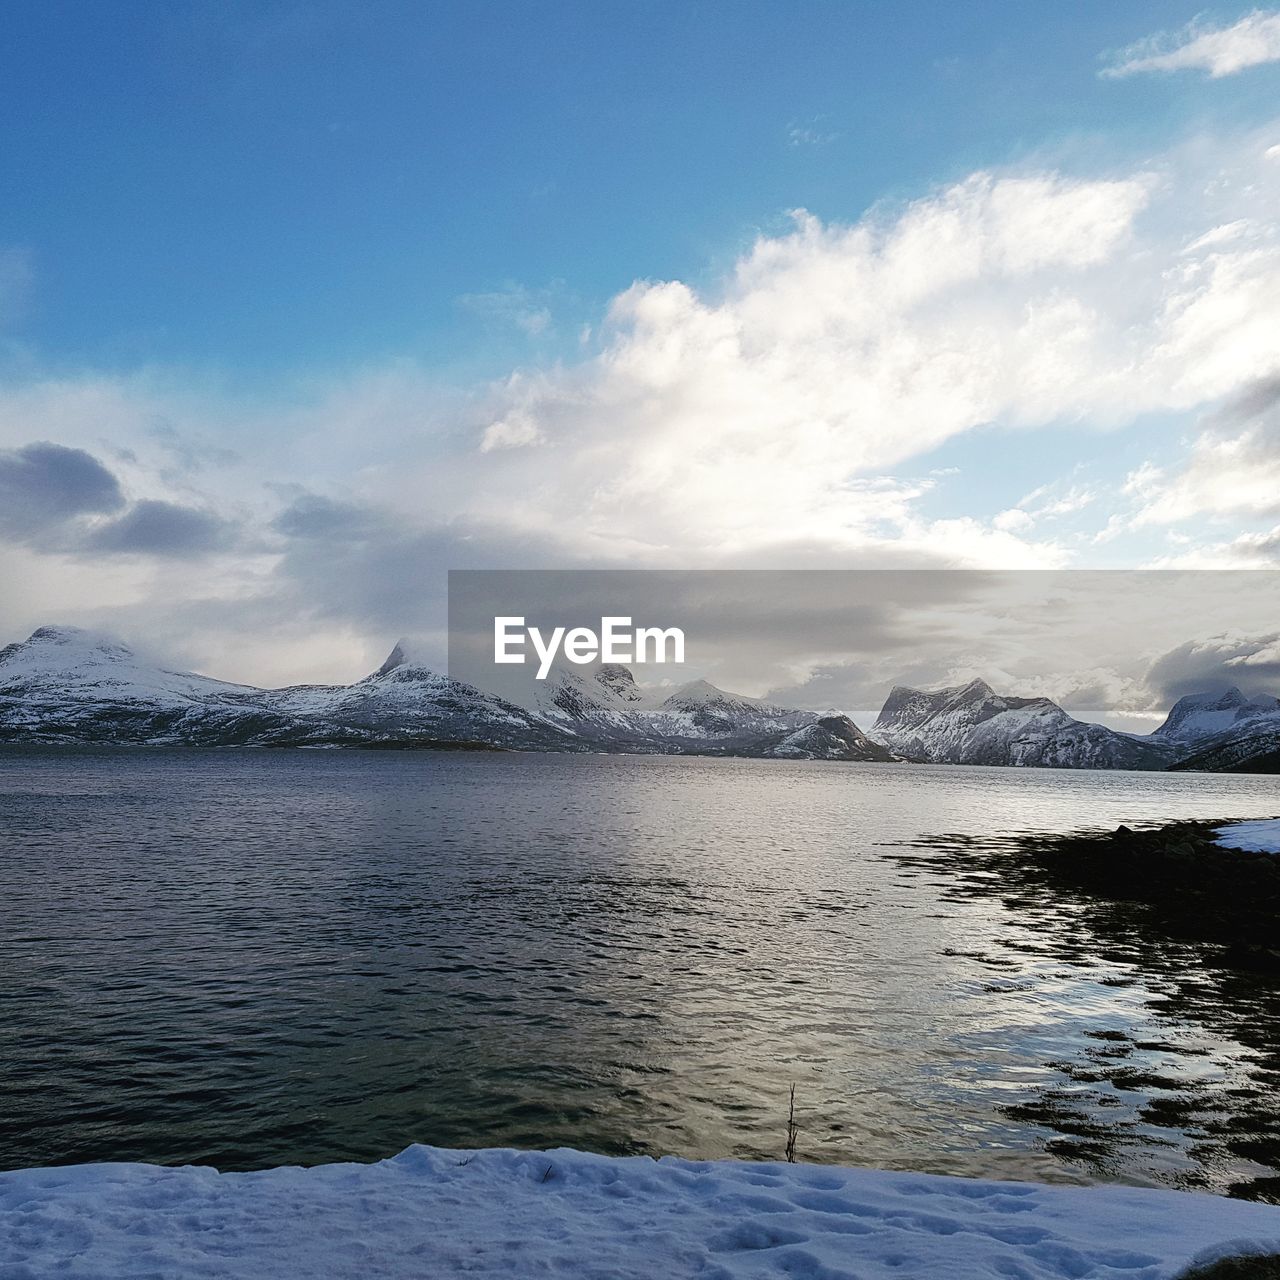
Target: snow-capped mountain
[972,724]
[604,707]
[830,738]
[1226,732]
[1200,717]
[405,700]
[63,684]
[620,681]
[610,709]
[68,685]
[698,712]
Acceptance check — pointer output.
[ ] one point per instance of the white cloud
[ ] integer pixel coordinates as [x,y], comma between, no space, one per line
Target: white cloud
[1014,520]
[1265,657]
[515,431]
[775,417]
[1221,51]
[775,409]
[1237,475]
[1231,469]
[1223,234]
[832,354]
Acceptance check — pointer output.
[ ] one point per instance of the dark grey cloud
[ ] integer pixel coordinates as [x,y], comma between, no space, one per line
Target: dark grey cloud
[49,493]
[1253,402]
[44,485]
[160,528]
[1216,665]
[390,578]
[351,562]
[1263,546]
[312,517]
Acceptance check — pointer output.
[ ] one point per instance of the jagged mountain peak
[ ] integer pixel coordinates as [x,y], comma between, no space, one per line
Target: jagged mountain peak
[404,662]
[831,737]
[1232,697]
[396,658]
[841,726]
[1198,717]
[972,724]
[619,681]
[906,702]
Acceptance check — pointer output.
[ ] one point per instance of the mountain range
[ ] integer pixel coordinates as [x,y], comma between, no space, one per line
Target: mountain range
[972,724]
[66,685]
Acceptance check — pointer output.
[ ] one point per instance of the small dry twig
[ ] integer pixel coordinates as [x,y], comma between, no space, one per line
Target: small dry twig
[793,1130]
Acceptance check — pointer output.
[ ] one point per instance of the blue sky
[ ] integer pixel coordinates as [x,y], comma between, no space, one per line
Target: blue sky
[338,296]
[262,188]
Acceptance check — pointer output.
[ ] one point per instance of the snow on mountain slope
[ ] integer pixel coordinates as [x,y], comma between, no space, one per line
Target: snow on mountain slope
[935,725]
[87,663]
[619,681]
[1225,733]
[603,706]
[698,712]
[609,708]
[829,738]
[405,699]
[972,724]
[1254,749]
[65,684]
[1201,716]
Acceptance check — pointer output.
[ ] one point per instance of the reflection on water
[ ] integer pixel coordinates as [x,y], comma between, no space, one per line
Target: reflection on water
[1183,1076]
[255,958]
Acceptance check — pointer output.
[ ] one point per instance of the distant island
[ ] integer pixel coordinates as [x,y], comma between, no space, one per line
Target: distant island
[67,685]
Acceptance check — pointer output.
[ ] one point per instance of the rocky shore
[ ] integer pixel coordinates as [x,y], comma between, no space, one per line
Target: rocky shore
[1193,884]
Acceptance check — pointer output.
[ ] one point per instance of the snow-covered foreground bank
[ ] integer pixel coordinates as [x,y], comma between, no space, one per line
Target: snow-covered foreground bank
[1255,837]
[430,1212]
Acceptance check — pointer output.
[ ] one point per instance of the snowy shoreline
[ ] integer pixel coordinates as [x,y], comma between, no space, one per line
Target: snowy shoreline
[433,1212]
[1261,836]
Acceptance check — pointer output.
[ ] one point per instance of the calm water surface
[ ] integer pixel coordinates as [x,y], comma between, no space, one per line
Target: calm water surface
[255,958]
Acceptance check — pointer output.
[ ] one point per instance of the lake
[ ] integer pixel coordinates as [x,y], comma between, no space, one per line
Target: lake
[252,958]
